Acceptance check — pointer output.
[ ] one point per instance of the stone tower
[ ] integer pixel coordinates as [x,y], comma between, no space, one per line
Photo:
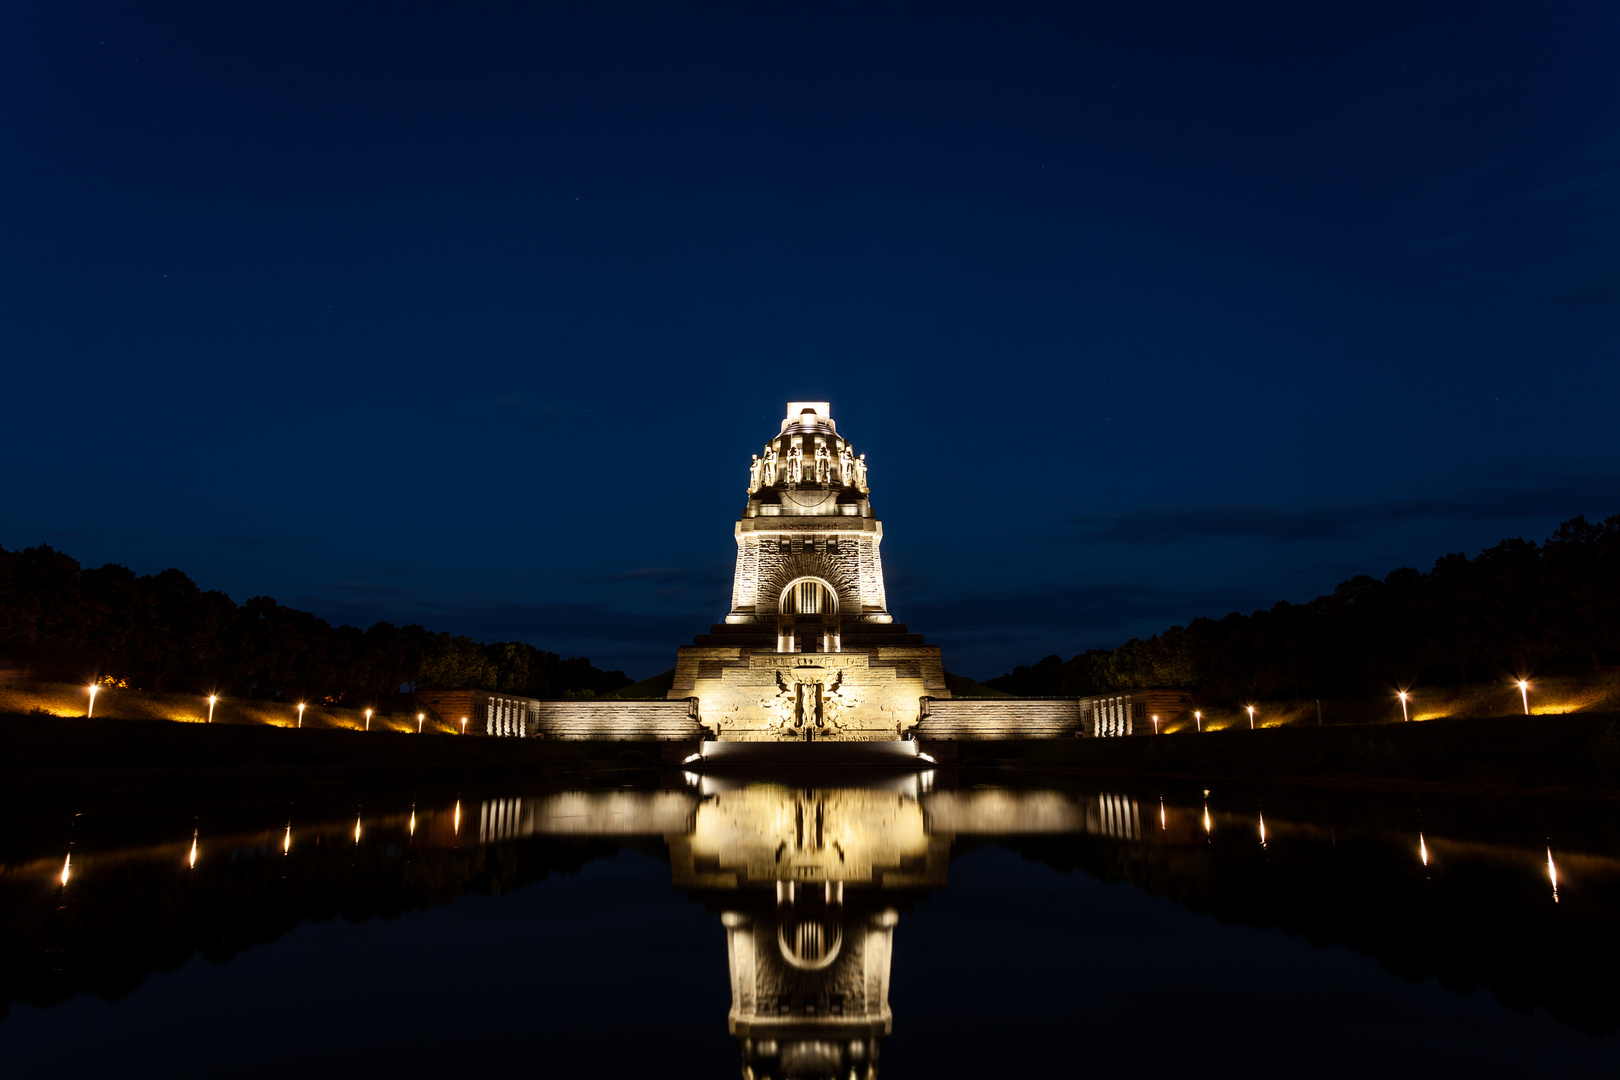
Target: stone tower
[809,650]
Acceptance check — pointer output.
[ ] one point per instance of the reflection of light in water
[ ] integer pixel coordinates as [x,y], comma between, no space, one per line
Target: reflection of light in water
[458,815]
[1262,830]
[1207,823]
[1161,812]
[65,866]
[1552,875]
[357,828]
[1423,850]
[192,859]
[286,840]
[1118,817]
[413,820]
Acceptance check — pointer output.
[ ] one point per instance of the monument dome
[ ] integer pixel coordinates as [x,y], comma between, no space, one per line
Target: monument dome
[808,583]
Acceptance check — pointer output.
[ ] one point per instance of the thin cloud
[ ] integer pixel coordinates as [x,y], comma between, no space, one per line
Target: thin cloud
[268,539]
[1177,524]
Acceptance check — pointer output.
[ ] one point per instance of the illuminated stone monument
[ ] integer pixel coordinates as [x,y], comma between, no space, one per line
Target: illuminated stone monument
[809,650]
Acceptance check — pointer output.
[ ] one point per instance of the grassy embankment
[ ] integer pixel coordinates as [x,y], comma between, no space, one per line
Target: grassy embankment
[66,756]
[1500,753]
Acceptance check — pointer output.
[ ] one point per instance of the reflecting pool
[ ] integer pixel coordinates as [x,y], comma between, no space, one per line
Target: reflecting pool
[906,925]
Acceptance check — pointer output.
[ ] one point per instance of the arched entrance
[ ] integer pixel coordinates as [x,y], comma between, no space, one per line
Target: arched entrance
[807,617]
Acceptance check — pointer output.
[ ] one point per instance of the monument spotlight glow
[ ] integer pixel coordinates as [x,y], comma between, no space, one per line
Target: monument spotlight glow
[419,717]
[211,699]
[1251,716]
[1402,696]
[91,711]
[368,719]
[300,714]
[1155,723]
[464,725]
[1198,718]
[1524,693]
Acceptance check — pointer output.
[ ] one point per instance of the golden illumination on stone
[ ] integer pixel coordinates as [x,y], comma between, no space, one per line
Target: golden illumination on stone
[769,833]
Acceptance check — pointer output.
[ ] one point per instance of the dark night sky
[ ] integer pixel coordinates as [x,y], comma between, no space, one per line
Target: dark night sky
[471,315]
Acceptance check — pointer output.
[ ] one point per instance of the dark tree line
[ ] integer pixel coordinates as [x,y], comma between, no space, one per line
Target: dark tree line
[61,622]
[1513,609]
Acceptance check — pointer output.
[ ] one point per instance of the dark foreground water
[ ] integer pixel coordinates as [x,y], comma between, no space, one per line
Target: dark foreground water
[913,926]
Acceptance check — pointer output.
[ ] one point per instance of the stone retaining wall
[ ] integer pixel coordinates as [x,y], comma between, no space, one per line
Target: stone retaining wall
[1000,718]
[622,720]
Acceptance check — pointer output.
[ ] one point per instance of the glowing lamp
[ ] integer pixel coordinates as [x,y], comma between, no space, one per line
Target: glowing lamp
[1402,696]
[91,711]
[368,719]
[300,714]
[211,699]
[419,717]
[1198,718]
[1524,693]
[1251,716]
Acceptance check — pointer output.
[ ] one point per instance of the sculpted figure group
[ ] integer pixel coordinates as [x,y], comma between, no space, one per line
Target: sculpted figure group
[848,469]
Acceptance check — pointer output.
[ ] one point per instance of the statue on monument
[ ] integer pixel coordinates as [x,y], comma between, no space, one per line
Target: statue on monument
[769,475]
[860,474]
[753,474]
[823,464]
[795,470]
[846,465]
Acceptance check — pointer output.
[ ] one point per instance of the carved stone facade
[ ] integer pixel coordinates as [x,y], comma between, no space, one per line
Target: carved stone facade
[808,650]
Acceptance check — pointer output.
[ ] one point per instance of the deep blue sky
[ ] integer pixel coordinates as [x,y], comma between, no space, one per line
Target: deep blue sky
[472,314]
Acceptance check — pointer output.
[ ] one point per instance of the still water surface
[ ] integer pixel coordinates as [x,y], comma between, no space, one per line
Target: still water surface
[910,926]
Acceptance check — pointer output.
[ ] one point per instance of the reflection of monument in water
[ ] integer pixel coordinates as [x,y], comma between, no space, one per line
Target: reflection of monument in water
[810,884]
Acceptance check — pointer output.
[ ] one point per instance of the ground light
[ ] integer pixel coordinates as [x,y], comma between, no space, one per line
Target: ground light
[1198,718]
[1524,692]
[1251,716]
[464,725]
[300,714]
[1155,723]
[211,699]
[419,717]
[368,719]
[1402,696]
[91,711]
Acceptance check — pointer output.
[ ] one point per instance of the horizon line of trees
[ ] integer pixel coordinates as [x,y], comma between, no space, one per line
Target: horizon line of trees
[1509,611]
[62,622]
